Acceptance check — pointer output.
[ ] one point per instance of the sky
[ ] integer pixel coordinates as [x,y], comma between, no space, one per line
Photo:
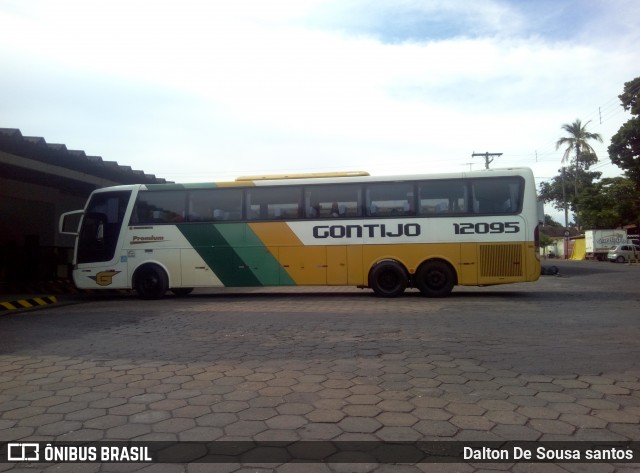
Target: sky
[210,90]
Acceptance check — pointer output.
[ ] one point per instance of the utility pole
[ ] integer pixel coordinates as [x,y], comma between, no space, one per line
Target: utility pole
[575,183]
[566,218]
[488,157]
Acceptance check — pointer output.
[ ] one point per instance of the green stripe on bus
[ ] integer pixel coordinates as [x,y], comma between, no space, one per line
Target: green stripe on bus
[263,264]
[214,249]
[235,254]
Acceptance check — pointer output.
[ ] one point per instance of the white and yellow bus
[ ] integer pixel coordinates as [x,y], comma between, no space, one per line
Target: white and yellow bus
[430,232]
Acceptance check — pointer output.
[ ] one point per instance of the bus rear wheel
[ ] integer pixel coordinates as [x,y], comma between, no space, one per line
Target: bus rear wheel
[435,279]
[388,279]
[151,282]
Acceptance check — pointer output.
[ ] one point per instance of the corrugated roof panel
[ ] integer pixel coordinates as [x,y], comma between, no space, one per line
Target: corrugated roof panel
[37,149]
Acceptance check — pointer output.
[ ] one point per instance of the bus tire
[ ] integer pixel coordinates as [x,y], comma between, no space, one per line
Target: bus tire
[388,279]
[181,291]
[435,279]
[150,282]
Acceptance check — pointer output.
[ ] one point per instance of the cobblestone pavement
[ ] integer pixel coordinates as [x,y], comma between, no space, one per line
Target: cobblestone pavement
[554,360]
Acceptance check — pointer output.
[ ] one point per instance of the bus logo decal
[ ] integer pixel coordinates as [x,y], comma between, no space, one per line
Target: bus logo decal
[136,240]
[485,227]
[371,230]
[104,278]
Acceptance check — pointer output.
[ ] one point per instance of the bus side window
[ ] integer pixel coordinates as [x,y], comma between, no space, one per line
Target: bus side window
[253,212]
[442,197]
[273,203]
[499,195]
[206,205]
[333,201]
[159,207]
[389,199]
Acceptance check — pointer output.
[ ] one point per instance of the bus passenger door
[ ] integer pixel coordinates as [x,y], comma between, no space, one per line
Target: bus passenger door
[100,262]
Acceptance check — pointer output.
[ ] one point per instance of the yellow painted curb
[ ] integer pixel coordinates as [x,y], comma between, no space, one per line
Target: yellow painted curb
[28,303]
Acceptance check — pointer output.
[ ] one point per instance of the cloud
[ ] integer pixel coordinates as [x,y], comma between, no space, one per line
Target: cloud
[414,20]
[202,90]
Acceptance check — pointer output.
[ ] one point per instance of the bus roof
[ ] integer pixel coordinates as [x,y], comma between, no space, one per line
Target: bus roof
[324,178]
[313,175]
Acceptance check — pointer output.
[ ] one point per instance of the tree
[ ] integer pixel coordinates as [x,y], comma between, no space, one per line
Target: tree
[609,203]
[630,97]
[552,191]
[550,222]
[545,241]
[577,143]
[624,150]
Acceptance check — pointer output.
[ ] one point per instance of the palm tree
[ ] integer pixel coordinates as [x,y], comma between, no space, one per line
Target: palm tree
[578,142]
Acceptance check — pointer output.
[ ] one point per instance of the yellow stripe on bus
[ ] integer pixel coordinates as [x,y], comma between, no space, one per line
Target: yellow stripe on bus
[474,263]
[275,234]
[302,263]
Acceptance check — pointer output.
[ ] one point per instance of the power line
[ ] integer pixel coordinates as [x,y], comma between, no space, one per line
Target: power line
[604,113]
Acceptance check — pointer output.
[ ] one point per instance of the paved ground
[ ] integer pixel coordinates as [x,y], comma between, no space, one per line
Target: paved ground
[554,360]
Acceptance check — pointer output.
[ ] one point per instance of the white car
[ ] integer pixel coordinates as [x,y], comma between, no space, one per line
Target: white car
[624,253]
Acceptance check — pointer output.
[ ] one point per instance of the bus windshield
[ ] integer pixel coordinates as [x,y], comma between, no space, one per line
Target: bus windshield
[101,225]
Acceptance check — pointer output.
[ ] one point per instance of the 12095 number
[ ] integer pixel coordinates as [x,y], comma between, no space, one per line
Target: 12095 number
[484,227]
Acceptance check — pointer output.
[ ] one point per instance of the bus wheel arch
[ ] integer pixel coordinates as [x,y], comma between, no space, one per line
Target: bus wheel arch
[388,278]
[435,278]
[150,281]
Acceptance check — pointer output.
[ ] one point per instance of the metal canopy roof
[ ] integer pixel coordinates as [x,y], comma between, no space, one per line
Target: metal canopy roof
[56,165]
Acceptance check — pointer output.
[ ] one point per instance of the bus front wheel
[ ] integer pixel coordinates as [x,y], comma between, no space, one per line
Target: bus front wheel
[388,279]
[435,279]
[151,282]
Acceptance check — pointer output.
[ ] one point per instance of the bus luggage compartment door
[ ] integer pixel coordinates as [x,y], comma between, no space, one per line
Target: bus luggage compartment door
[337,265]
[468,271]
[195,272]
